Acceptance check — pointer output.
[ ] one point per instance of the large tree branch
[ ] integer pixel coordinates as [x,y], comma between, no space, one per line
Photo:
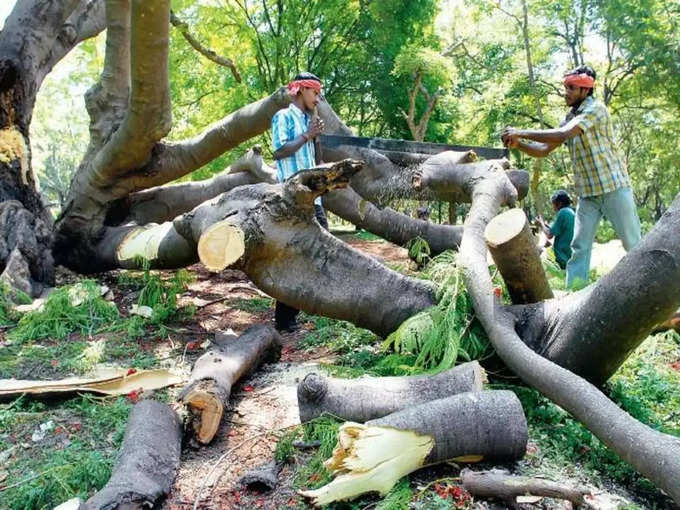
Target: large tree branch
[163,203]
[653,454]
[206,52]
[24,46]
[86,21]
[174,160]
[148,118]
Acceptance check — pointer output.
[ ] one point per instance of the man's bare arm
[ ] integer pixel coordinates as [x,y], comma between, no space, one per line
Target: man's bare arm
[290,148]
[536,149]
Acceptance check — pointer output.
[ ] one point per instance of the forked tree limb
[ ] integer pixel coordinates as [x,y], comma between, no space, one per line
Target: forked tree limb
[207,393]
[206,52]
[499,485]
[148,460]
[513,248]
[368,398]
[653,454]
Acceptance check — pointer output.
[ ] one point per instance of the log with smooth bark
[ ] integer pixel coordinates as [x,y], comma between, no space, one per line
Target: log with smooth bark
[500,485]
[647,280]
[469,427]
[216,371]
[148,460]
[368,398]
[513,248]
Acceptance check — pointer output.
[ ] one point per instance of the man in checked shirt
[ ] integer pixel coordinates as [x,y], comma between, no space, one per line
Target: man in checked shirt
[293,132]
[600,177]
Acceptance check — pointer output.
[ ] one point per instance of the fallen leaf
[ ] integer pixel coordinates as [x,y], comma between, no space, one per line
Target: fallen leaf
[54,363]
[131,371]
[134,395]
[248,388]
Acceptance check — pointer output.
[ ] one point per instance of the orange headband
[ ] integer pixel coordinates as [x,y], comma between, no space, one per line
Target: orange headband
[295,86]
[580,80]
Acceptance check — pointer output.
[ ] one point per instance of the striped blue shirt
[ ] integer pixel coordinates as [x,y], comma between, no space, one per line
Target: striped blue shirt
[288,124]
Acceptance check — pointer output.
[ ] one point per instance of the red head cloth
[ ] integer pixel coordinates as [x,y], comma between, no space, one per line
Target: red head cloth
[295,86]
[580,80]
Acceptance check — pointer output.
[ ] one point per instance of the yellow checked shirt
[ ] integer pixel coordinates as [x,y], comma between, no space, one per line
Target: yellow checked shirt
[598,168]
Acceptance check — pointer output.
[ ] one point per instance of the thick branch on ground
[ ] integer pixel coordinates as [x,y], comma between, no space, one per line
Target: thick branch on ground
[206,52]
[390,224]
[470,427]
[499,485]
[164,203]
[148,459]
[368,398]
[217,371]
[514,250]
[647,280]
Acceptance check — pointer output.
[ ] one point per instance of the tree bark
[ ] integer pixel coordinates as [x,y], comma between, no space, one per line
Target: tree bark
[486,425]
[513,248]
[495,484]
[641,280]
[214,374]
[148,460]
[368,398]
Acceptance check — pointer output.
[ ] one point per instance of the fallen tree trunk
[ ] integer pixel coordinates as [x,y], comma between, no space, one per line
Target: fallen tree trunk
[513,249]
[368,398]
[216,371]
[499,485]
[469,427]
[149,457]
[647,280]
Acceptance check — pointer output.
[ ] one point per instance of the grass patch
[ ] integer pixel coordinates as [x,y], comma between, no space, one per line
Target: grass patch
[74,308]
[252,305]
[73,460]
[365,235]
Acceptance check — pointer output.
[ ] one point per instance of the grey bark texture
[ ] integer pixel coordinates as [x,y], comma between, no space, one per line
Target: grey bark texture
[653,454]
[148,460]
[500,485]
[368,398]
[488,424]
[222,366]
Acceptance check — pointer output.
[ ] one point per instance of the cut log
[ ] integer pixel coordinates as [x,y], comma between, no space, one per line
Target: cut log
[221,245]
[368,398]
[513,248]
[500,485]
[218,369]
[470,427]
[149,457]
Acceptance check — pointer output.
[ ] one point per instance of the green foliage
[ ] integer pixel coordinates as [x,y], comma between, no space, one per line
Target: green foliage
[60,317]
[442,334]
[313,474]
[252,305]
[365,235]
[398,498]
[8,316]
[340,336]
[419,251]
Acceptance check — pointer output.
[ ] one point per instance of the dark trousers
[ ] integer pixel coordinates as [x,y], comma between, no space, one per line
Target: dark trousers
[284,315]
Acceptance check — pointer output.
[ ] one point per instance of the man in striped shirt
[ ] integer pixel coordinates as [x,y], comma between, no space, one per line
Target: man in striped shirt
[600,177]
[293,132]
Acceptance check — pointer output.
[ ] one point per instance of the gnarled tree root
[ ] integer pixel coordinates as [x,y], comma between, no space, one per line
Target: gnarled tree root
[469,427]
[217,370]
[368,398]
[496,484]
[148,460]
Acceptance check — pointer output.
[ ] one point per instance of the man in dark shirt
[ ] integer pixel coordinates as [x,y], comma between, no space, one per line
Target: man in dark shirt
[562,227]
